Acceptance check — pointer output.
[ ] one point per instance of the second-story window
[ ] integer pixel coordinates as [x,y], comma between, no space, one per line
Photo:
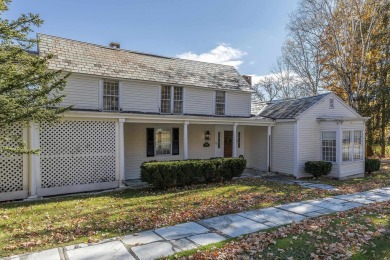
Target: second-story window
[219,102]
[166,99]
[171,100]
[177,100]
[110,95]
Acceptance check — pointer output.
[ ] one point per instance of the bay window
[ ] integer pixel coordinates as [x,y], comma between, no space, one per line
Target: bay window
[352,145]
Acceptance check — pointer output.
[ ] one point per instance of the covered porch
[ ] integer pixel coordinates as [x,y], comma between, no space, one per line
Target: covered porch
[165,138]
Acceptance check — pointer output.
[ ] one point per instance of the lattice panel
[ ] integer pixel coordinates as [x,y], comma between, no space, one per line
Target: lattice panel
[78,137]
[77,152]
[11,167]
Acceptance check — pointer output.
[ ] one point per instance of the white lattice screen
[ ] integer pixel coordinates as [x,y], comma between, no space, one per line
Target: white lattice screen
[11,167]
[77,152]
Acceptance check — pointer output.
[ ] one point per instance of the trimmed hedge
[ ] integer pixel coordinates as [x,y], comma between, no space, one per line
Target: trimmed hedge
[372,165]
[180,173]
[318,168]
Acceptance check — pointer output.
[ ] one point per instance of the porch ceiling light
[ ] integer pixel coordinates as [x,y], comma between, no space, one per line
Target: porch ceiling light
[207,135]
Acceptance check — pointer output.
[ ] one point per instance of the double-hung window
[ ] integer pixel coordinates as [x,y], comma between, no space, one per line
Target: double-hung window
[162,141]
[171,100]
[110,95]
[328,139]
[220,103]
[352,145]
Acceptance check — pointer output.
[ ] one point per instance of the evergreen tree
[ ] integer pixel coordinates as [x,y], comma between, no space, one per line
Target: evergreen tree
[29,91]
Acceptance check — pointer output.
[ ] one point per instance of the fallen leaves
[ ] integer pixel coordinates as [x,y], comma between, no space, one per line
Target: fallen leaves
[334,237]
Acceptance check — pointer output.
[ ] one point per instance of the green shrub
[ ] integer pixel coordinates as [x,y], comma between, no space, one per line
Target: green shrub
[180,173]
[318,168]
[372,165]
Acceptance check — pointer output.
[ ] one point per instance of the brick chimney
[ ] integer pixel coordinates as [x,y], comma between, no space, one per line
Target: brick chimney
[115,45]
[247,79]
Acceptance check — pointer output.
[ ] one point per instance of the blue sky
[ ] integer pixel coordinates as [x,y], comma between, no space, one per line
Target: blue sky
[247,34]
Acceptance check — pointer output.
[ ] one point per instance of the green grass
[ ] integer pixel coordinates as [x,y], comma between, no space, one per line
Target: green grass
[58,221]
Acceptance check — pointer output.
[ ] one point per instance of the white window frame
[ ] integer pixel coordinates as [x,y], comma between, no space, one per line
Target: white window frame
[321,146]
[155,141]
[352,146]
[172,100]
[219,103]
[103,94]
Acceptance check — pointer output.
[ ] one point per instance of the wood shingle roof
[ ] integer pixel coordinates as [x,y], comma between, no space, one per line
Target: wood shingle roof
[87,58]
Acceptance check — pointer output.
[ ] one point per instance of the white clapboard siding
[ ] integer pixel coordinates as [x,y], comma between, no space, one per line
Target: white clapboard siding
[256,147]
[140,97]
[352,168]
[196,140]
[282,151]
[135,147]
[82,91]
[238,103]
[310,131]
[198,101]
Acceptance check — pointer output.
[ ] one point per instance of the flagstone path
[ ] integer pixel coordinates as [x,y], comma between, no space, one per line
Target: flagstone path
[170,240]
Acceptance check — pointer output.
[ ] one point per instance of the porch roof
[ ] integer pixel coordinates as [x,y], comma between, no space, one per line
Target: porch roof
[171,119]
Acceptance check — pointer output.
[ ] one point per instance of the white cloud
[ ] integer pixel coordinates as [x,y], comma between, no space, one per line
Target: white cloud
[257,78]
[222,54]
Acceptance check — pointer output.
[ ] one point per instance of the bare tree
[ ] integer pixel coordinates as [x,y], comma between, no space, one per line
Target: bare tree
[286,81]
[301,50]
[266,89]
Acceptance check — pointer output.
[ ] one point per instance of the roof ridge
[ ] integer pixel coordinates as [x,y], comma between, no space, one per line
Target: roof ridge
[131,51]
[295,99]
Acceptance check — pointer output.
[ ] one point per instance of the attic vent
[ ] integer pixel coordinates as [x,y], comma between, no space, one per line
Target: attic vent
[115,45]
[331,103]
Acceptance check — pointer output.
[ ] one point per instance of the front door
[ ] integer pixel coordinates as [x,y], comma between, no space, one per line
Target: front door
[228,144]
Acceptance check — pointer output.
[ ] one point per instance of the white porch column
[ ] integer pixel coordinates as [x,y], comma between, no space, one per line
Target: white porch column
[34,168]
[269,148]
[185,137]
[235,140]
[121,152]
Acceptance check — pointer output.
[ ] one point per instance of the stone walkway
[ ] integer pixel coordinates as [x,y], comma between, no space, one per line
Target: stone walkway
[170,240]
[304,184]
[269,176]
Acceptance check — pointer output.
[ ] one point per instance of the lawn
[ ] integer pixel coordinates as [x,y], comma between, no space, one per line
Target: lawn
[59,221]
[362,233]
[33,226]
[372,181]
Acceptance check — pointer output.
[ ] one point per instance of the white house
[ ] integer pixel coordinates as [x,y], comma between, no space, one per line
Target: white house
[318,128]
[131,107]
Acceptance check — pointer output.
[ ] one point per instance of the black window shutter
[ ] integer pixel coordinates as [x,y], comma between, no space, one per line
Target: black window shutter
[175,141]
[149,142]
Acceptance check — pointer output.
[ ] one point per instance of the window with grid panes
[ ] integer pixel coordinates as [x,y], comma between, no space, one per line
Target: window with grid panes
[219,102]
[328,146]
[177,100]
[166,99]
[110,95]
[163,141]
[171,100]
[357,145]
[347,147]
